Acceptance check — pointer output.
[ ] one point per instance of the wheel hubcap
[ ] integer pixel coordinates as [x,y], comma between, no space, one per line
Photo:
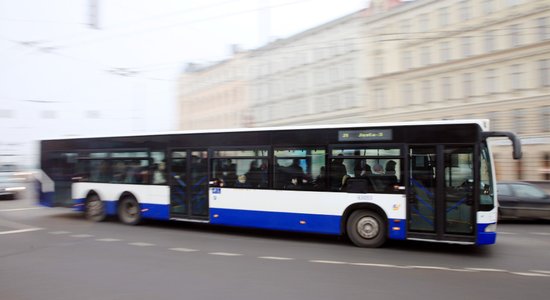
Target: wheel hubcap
[368,227]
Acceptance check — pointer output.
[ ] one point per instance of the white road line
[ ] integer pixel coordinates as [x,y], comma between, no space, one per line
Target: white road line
[275,258]
[540,233]
[82,235]
[429,268]
[20,231]
[540,271]
[379,265]
[225,254]
[486,270]
[530,274]
[59,232]
[19,209]
[183,249]
[507,233]
[141,244]
[108,240]
[329,262]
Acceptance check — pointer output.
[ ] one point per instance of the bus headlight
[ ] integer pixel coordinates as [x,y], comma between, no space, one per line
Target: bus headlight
[491,228]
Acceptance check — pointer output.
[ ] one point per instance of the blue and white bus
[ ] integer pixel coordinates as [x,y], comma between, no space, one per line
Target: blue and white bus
[429,181]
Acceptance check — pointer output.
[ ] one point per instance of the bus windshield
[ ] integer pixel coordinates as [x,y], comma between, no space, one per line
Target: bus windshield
[486,196]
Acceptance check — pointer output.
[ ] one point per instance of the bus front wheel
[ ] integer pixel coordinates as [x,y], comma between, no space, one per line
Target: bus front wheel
[95,208]
[129,211]
[366,228]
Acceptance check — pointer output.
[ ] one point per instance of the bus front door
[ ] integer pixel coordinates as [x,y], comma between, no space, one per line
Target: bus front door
[189,184]
[441,193]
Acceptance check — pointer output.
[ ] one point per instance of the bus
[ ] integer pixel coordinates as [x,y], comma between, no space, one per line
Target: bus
[427,181]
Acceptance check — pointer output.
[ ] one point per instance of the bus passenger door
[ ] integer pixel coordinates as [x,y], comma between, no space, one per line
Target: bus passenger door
[189,184]
[441,193]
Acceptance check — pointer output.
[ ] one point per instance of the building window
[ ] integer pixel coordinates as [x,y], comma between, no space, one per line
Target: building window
[468,82]
[445,51]
[466,46]
[407,94]
[425,56]
[426,91]
[520,120]
[380,98]
[406,26]
[489,41]
[544,72]
[446,88]
[516,77]
[407,60]
[542,29]
[545,119]
[423,23]
[443,16]
[379,65]
[488,6]
[465,13]
[491,81]
[494,119]
[515,35]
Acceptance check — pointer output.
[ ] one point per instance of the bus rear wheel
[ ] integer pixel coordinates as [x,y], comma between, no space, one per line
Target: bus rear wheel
[366,229]
[129,211]
[95,209]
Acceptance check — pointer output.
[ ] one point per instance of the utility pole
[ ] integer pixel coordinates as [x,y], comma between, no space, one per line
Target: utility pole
[94,14]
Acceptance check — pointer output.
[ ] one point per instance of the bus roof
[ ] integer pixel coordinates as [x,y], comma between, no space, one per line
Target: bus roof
[483,123]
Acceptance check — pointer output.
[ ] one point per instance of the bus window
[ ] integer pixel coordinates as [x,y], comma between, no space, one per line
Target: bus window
[299,169]
[379,168]
[241,168]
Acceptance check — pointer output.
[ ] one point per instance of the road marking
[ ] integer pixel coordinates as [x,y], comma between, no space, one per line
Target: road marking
[379,265]
[506,233]
[530,274]
[329,262]
[486,270]
[108,240]
[141,244]
[540,233]
[20,231]
[225,254]
[276,258]
[59,232]
[540,271]
[19,209]
[429,268]
[183,249]
[82,235]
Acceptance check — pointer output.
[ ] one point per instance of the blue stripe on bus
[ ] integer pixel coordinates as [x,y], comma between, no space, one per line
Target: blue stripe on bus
[148,211]
[397,230]
[485,238]
[324,224]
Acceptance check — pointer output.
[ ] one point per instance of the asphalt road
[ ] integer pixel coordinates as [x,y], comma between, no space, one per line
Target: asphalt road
[56,254]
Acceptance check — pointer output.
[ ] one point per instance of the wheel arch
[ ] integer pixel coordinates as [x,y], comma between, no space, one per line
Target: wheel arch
[361,206]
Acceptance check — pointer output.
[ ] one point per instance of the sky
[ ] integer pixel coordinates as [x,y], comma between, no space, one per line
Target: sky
[61,74]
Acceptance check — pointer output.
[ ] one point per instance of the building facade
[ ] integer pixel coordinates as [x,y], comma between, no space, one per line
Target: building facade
[410,61]
[450,59]
[215,95]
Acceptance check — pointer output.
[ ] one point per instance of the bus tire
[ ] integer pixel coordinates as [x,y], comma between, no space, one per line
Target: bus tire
[366,229]
[95,208]
[129,211]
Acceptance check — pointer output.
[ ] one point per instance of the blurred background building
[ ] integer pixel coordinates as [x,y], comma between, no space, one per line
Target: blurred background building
[419,60]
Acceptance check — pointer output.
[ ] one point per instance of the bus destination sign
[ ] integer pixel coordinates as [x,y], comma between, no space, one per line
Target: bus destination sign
[366,135]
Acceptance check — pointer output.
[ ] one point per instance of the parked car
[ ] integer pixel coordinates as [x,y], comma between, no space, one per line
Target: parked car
[521,200]
[11,185]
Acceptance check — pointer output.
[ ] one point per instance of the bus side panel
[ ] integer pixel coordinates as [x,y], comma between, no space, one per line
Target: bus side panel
[318,212]
[154,200]
[486,227]
[44,187]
